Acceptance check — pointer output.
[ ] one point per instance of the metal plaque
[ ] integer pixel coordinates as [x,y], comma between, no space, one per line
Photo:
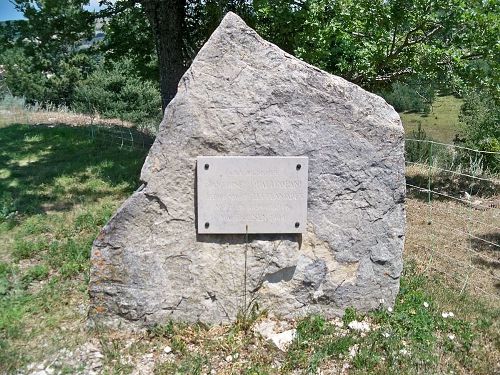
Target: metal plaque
[252,194]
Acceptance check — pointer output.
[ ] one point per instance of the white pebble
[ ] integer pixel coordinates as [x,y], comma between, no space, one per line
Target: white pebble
[359,326]
[353,350]
[167,349]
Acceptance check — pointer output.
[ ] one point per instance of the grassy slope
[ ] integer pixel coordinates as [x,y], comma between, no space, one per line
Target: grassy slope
[440,124]
[65,187]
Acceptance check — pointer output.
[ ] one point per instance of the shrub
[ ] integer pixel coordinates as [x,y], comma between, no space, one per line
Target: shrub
[416,149]
[411,96]
[118,92]
[480,119]
[421,149]
[53,86]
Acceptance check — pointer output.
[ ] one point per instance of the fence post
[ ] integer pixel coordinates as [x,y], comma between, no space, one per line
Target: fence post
[429,203]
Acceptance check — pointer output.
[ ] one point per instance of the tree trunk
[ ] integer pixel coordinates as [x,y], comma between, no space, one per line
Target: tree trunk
[167,19]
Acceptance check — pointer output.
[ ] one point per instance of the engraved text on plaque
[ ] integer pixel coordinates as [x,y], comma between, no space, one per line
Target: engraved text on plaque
[266,194]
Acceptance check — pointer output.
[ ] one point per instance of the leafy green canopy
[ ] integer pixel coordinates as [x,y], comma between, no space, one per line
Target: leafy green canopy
[377,42]
[128,34]
[405,50]
[53,29]
[43,55]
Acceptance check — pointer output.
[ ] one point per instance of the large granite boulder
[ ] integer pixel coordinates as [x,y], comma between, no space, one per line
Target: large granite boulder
[244,96]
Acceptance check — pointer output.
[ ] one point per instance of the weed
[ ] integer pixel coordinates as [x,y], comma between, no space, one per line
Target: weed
[25,249]
[246,319]
[38,272]
[162,330]
[193,364]
[313,343]
[33,225]
[349,316]
[178,344]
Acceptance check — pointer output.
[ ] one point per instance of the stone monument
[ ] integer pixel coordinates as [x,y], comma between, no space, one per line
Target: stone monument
[243,96]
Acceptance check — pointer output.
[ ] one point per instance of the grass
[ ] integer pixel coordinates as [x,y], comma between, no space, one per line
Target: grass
[414,338]
[441,124]
[59,187]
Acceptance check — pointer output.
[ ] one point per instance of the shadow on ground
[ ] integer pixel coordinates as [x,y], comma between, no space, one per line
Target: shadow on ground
[52,168]
[456,186]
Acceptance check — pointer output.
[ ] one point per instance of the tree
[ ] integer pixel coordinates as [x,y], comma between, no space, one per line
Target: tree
[53,29]
[378,42]
[480,118]
[179,28]
[167,19]
[128,34]
[44,62]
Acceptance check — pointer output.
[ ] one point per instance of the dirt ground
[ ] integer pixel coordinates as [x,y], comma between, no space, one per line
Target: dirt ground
[457,239]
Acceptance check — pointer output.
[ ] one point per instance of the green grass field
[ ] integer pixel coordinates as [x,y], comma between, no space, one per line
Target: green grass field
[58,187]
[441,124]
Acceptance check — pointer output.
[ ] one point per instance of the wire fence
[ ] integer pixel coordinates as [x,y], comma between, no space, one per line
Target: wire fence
[454,215]
[120,136]
[103,131]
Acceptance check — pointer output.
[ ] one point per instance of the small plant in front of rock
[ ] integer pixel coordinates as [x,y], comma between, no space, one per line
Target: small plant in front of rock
[162,330]
[246,318]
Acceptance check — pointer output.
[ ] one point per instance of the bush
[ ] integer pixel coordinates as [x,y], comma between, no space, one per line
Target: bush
[480,118]
[44,87]
[118,92]
[415,150]
[411,96]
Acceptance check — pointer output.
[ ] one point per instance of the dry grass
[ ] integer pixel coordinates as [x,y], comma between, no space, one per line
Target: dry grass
[458,238]
[22,115]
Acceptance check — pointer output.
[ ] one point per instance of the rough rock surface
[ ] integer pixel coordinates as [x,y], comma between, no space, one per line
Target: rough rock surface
[244,96]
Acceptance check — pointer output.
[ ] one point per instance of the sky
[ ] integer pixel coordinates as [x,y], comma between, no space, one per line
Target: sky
[8,11]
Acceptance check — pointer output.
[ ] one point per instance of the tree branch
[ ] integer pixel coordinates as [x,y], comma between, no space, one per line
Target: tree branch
[390,76]
[408,42]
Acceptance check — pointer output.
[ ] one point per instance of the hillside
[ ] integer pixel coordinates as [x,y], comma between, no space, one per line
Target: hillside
[441,124]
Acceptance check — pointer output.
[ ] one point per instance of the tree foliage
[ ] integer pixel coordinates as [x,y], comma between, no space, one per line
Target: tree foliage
[53,29]
[178,29]
[43,61]
[378,42]
[128,34]
[405,50]
[480,118]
